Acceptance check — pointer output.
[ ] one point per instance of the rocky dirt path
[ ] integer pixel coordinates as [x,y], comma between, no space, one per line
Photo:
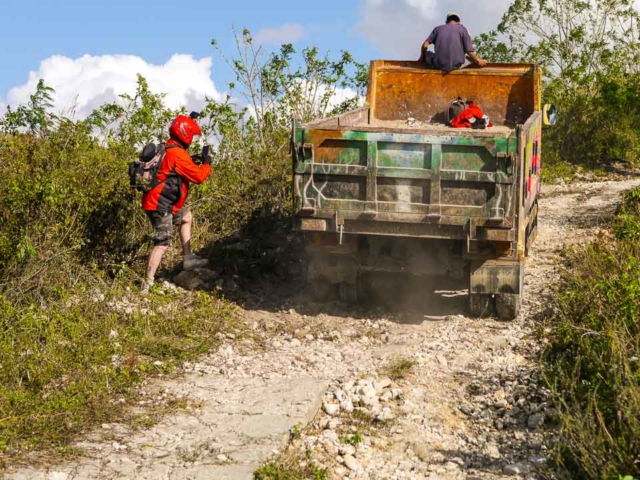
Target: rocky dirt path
[419,392]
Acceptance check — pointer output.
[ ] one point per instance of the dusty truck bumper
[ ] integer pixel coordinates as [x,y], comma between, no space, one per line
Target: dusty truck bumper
[493,277]
[496,287]
[474,233]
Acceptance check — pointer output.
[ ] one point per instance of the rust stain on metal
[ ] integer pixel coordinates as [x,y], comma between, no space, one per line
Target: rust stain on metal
[507,95]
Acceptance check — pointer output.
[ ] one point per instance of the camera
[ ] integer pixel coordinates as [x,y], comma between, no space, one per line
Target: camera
[199,158]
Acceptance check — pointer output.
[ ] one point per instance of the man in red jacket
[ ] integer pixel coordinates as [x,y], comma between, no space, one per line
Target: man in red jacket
[164,204]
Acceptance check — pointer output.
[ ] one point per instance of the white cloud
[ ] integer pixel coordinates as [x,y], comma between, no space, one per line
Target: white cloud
[287,33]
[341,95]
[338,95]
[399,27]
[89,81]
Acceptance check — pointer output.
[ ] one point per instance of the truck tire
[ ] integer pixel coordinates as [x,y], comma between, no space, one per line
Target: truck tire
[508,305]
[481,306]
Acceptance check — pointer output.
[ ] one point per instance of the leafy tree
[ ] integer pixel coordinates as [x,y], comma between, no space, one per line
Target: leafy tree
[574,40]
[35,116]
[492,47]
[590,52]
[278,87]
[134,120]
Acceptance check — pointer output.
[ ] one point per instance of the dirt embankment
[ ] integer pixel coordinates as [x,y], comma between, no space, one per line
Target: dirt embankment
[439,395]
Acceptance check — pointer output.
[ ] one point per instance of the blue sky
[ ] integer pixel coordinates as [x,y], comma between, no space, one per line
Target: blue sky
[155,29]
[40,34]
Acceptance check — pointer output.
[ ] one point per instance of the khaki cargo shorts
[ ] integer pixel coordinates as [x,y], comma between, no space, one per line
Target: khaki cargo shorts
[163,226]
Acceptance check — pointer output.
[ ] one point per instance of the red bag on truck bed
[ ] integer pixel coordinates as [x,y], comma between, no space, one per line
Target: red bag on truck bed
[472,117]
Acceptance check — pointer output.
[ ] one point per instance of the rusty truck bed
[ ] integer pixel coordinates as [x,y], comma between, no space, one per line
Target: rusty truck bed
[364,123]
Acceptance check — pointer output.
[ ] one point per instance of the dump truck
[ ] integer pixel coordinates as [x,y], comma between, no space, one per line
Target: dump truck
[391,188]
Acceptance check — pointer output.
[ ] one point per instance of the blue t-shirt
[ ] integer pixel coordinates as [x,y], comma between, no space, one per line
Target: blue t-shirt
[452,42]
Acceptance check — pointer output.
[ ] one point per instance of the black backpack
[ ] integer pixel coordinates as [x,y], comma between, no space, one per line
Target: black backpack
[143,172]
[456,108]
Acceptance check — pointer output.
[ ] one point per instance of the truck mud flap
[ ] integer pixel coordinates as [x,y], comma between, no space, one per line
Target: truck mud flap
[495,276]
[496,288]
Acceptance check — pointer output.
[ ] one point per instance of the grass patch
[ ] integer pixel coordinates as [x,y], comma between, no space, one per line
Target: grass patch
[296,431]
[568,172]
[400,368]
[291,467]
[558,171]
[362,420]
[351,439]
[73,363]
[591,362]
[360,423]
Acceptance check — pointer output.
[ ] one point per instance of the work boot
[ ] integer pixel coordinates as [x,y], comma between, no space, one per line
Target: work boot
[191,262]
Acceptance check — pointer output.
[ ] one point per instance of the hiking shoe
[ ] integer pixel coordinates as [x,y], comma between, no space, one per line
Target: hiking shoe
[191,262]
[146,286]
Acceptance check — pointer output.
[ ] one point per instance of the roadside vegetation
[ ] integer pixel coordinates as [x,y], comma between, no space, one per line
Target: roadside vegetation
[592,358]
[291,468]
[76,336]
[590,52]
[400,368]
[591,55]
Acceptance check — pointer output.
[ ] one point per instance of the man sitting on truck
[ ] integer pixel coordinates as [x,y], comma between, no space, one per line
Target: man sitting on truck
[453,46]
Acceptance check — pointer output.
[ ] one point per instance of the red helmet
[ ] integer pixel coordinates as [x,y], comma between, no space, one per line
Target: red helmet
[183,129]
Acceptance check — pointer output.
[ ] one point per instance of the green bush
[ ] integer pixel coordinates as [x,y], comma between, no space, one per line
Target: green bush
[592,361]
[290,469]
[64,192]
[597,126]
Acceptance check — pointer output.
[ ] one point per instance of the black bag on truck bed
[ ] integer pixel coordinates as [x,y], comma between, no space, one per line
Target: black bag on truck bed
[456,108]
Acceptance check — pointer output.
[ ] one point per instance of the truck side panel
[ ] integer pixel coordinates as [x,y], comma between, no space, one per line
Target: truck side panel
[530,148]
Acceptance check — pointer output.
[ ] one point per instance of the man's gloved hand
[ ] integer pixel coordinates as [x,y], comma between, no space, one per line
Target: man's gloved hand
[206,155]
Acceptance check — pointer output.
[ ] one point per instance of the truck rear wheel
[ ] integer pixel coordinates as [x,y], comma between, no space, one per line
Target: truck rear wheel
[508,305]
[481,306]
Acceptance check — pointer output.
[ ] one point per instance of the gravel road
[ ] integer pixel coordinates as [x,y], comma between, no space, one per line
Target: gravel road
[468,403]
